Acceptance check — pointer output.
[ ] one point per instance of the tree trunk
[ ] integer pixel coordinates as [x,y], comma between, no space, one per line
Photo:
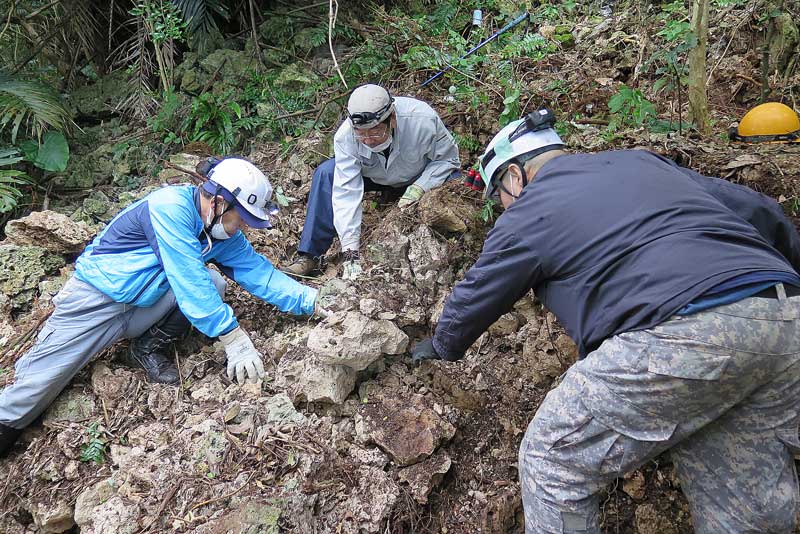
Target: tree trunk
[698,100]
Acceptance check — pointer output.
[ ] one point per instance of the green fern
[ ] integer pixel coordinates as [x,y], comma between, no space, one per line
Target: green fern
[95,449]
[10,179]
[23,101]
[200,14]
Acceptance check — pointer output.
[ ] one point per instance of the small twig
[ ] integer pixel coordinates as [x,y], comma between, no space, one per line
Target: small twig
[8,20]
[599,122]
[255,33]
[748,78]
[167,498]
[194,174]
[304,8]
[333,10]
[226,496]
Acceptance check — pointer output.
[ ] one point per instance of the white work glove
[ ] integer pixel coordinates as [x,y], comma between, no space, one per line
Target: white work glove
[244,361]
[351,268]
[411,196]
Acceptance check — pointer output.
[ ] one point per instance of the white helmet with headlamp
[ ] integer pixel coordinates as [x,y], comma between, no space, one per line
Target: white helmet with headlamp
[518,142]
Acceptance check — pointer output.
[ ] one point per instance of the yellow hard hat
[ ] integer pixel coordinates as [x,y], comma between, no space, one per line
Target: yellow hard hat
[770,122]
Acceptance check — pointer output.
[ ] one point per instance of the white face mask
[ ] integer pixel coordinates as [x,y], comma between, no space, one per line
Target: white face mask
[218,230]
[381,147]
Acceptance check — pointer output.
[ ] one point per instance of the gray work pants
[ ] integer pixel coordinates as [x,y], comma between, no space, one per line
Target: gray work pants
[84,322]
[721,388]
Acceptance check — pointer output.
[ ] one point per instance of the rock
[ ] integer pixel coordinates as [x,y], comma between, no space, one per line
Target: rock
[207,444]
[428,258]
[330,292]
[111,386]
[101,98]
[634,485]
[72,405]
[355,341]
[251,517]
[151,436]
[406,429]
[174,176]
[649,520]
[99,510]
[369,307]
[21,270]
[368,456]
[155,468]
[390,249]
[281,410]
[161,400]
[445,209]
[506,325]
[312,381]
[371,503]
[50,287]
[97,205]
[500,512]
[425,476]
[209,389]
[72,470]
[295,77]
[52,516]
[50,230]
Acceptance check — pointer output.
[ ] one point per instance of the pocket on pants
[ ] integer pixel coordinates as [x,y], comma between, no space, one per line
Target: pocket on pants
[688,358]
[612,435]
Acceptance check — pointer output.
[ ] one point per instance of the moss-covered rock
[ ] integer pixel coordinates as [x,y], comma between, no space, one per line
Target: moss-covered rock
[295,77]
[102,97]
[21,270]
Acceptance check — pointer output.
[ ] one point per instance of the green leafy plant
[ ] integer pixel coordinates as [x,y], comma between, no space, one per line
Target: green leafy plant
[487,211]
[213,120]
[532,46]
[10,179]
[511,108]
[165,25]
[95,449]
[52,154]
[32,103]
[629,107]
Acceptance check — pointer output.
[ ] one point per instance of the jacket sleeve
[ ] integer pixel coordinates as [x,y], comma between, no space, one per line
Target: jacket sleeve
[179,253]
[348,191]
[443,156]
[758,209]
[504,272]
[258,276]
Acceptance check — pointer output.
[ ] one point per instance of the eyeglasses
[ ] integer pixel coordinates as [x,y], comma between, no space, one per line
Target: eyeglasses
[376,132]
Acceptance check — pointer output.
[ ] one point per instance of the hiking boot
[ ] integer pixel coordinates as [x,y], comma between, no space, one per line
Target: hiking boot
[303,265]
[150,351]
[8,436]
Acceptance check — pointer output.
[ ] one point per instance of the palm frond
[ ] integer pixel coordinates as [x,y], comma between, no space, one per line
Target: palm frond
[200,14]
[10,179]
[135,54]
[23,101]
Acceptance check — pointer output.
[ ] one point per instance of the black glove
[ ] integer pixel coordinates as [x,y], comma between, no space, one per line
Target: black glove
[424,351]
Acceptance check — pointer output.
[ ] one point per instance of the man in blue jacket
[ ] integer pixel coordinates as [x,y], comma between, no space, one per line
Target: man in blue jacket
[144,277]
[683,296]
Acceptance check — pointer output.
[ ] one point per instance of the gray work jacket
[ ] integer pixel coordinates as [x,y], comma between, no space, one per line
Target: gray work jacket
[422,152]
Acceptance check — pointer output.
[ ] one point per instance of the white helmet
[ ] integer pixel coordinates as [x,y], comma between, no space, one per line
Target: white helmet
[369,105]
[518,142]
[242,184]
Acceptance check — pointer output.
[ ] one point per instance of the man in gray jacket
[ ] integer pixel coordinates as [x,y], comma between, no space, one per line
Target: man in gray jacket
[386,143]
[683,295]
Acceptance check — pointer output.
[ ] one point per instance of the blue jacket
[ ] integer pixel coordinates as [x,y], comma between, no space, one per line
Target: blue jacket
[156,244]
[614,242]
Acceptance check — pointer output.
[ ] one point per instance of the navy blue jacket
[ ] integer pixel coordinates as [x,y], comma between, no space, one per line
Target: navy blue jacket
[614,242]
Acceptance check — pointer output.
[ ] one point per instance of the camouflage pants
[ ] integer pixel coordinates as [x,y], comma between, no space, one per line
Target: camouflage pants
[721,388]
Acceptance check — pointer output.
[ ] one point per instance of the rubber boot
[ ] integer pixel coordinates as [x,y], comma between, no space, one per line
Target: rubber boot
[150,351]
[8,436]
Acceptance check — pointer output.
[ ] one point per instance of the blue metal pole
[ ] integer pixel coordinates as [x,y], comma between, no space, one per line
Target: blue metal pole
[486,41]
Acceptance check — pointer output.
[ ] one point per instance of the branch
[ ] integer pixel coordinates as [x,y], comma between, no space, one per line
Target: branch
[332,12]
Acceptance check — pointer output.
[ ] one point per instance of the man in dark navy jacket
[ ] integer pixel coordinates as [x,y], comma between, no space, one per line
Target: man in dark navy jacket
[682,294]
